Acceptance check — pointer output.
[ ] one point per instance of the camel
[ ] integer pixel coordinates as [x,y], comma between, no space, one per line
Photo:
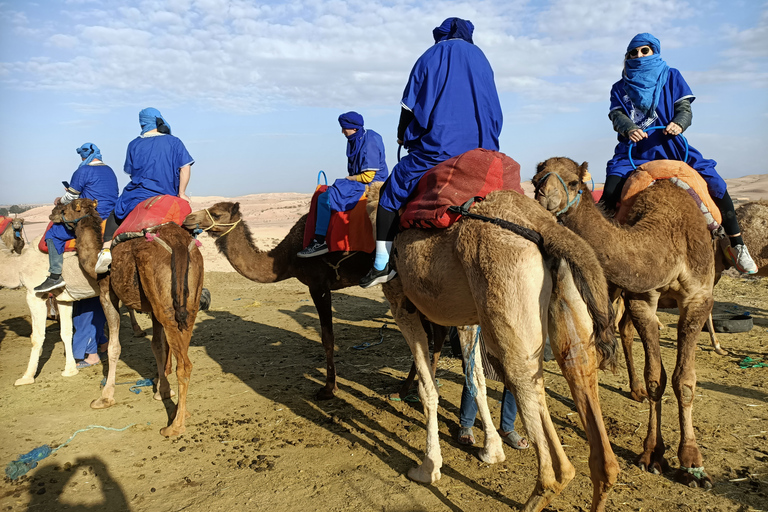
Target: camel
[334,271]
[753,219]
[161,274]
[12,235]
[518,292]
[665,249]
[28,270]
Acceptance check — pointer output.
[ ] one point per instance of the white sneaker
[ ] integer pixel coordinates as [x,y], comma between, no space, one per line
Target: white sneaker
[741,259]
[102,264]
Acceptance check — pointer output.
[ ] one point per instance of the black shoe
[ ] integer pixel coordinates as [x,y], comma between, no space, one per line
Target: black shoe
[314,249]
[50,284]
[375,277]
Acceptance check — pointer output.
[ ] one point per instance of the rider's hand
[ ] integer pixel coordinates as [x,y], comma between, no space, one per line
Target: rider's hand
[185,197]
[57,200]
[399,142]
[673,129]
[637,135]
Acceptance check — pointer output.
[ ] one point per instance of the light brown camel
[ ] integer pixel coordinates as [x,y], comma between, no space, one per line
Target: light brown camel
[161,274]
[480,273]
[334,271]
[12,235]
[753,219]
[28,270]
[664,249]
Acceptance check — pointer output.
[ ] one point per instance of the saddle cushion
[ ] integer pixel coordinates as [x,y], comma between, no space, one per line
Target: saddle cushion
[475,173]
[4,223]
[153,212]
[347,231]
[69,245]
[646,174]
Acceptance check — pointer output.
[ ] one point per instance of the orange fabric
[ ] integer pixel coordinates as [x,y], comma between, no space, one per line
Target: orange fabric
[649,172]
[69,246]
[155,211]
[347,231]
[4,223]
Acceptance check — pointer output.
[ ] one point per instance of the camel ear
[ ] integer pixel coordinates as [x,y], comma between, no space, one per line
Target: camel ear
[77,206]
[235,209]
[584,175]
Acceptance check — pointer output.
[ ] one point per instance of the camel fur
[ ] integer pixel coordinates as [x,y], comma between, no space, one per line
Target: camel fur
[665,249]
[148,277]
[12,235]
[479,273]
[334,271]
[753,219]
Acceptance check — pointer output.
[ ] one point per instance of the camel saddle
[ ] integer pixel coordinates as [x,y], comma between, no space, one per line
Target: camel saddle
[475,173]
[151,213]
[4,222]
[673,170]
[69,245]
[347,231]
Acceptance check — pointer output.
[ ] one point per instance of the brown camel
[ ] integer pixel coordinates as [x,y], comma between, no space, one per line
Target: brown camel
[334,271]
[12,235]
[479,273]
[161,274]
[664,249]
[753,219]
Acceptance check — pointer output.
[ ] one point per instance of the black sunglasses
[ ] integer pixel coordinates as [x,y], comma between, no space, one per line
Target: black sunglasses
[637,51]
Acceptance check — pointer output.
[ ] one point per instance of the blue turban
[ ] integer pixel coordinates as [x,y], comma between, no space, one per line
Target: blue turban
[151,118]
[645,77]
[454,28]
[351,120]
[89,151]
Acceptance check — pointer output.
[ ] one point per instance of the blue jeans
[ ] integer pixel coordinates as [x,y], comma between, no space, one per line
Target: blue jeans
[88,320]
[468,410]
[55,258]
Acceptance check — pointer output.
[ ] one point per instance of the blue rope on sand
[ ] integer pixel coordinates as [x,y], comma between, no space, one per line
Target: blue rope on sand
[135,388]
[28,461]
[368,344]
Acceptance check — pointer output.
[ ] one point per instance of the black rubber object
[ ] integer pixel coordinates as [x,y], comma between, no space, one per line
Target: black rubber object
[731,323]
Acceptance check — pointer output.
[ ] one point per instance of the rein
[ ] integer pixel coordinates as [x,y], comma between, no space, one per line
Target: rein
[71,223]
[214,223]
[524,232]
[571,202]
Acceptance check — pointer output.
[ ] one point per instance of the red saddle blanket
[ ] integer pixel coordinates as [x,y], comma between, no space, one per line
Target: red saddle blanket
[153,212]
[69,245]
[475,173]
[347,231]
[4,222]
[646,174]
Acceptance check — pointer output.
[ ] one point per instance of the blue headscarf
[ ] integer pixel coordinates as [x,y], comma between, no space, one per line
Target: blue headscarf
[89,151]
[454,28]
[645,77]
[151,118]
[354,121]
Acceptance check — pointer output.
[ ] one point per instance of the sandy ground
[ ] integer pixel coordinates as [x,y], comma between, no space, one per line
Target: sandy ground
[258,440]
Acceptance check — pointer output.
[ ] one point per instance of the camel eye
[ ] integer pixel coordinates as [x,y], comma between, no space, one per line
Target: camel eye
[573,184]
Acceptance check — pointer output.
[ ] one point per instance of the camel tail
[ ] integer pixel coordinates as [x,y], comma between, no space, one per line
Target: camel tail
[588,276]
[180,284]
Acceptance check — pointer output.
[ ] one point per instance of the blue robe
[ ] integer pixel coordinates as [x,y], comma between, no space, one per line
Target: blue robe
[344,194]
[96,182]
[452,94]
[659,146]
[153,164]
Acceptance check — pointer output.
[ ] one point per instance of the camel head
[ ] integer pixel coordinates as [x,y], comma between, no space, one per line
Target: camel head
[18,224]
[217,220]
[559,182]
[70,213]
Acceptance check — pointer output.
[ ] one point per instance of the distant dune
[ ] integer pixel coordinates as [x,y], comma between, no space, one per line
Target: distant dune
[270,216]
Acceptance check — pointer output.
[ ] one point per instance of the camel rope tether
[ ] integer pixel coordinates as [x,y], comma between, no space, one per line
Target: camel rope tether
[337,265]
[571,202]
[214,223]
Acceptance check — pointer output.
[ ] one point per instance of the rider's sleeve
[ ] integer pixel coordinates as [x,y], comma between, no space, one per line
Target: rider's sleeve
[683,114]
[621,122]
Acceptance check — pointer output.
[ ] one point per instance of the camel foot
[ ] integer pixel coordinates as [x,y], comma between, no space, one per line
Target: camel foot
[720,351]
[653,463]
[424,475]
[539,500]
[694,478]
[24,381]
[639,395]
[162,396]
[325,393]
[171,431]
[492,456]
[102,403]
[70,372]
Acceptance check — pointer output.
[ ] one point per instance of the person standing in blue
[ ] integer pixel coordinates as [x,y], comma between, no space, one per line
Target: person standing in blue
[366,163]
[93,179]
[158,164]
[449,106]
[88,321]
[649,94]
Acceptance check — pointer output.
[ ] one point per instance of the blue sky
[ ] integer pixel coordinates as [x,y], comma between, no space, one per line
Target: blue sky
[254,88]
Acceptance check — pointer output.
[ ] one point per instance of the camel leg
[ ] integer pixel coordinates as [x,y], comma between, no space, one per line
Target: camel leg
[160,349]
[322,299]
[67,331]
[492,451]
[110,305]
[642,308]
[570,331]
[37,311]
[692,316]
[179,345]
[436,333]
[627,335]
[138,332]
[713,337]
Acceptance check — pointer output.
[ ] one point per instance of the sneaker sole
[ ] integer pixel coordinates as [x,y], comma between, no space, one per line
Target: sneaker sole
[50,288]
[380,279]
[312,255]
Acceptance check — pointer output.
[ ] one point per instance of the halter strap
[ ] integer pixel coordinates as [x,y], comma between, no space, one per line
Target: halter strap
[571,202]
[214,223]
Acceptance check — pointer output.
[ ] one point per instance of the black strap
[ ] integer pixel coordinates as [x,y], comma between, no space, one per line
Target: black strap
[517,229]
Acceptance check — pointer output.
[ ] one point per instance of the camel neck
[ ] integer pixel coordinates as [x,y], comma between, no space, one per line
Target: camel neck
[248,260]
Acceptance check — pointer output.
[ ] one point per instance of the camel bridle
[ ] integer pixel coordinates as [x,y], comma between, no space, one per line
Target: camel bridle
[231,225]
[570,202]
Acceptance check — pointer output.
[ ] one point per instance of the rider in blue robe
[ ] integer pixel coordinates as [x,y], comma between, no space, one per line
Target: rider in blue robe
[366,163]
[449,106]
[651,94]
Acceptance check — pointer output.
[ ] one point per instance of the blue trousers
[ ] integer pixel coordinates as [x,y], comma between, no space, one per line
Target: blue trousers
[323,213]
[89,320]
[468,409]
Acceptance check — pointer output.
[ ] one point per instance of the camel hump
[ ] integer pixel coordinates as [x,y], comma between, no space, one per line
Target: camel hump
[656,170]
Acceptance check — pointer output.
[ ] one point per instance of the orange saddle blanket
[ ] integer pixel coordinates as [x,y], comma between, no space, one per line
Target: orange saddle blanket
[347,231]
[69,245]
[153,212]
[649,172]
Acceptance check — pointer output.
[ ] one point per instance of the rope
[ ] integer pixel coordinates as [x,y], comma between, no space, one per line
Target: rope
[324,178]
[338,264]
[571,202]
[141,383]
[470,366]
[651,128]
[698,473]
[368,344]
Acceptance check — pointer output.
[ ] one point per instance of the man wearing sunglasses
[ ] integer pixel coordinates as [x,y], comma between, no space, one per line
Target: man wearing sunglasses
[650,93]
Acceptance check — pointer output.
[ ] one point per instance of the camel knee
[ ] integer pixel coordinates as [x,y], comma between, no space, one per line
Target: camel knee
[685,394]
[655,390]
